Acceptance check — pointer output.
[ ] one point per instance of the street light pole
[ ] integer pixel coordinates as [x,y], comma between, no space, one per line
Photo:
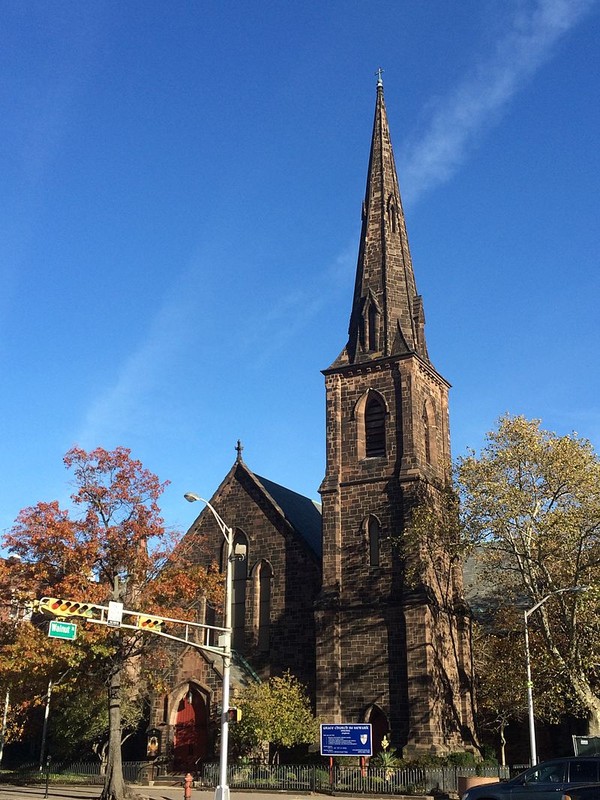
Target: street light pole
[532,742]
[222,790]
[4,719]
[527,613]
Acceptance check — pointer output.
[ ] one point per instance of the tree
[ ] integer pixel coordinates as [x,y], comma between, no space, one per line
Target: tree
[112,545]
[498,657]
[29,659]
[531,509]
[277,712]
[432,550]
[79,720]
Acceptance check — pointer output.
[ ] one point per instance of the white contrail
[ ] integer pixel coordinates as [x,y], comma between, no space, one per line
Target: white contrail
[479,100]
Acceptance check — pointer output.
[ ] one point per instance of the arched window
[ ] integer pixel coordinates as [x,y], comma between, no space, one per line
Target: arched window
[426,434]
[373,535]
[428,423]
[372,326]
[240,578]
[210,618]
[264,606]
[374,427]
[392,213]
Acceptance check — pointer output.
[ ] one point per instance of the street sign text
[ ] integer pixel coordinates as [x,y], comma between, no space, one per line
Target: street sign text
[346,740]
[62,630]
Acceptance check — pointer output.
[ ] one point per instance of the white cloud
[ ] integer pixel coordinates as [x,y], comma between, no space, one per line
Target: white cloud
[454,124]
[296,310]
[481,98]
[120,408]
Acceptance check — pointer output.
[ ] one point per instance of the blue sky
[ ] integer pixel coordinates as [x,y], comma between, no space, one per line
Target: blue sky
[180,212]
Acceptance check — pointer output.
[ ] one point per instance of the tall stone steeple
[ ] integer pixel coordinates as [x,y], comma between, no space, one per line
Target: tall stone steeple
[387,313]
[389,651]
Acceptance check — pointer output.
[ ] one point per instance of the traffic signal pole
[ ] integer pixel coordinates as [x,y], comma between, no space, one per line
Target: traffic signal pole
[133,621]
[45,728]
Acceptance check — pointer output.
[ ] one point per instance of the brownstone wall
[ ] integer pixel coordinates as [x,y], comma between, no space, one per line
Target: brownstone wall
[294,585]
[381,641]
[295,582]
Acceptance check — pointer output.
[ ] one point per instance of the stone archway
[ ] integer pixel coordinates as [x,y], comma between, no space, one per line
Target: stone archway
[190,740]
[380,726]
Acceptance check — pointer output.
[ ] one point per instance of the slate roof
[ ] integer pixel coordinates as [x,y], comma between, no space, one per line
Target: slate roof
[301,512]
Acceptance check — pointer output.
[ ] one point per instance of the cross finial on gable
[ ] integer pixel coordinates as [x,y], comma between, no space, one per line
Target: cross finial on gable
[239,447]
[379,74]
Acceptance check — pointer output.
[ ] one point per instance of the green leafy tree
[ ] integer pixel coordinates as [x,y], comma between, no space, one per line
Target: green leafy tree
[79,721]
[531,515]
[277,712]
[500,675]
[432,549]
[111,545]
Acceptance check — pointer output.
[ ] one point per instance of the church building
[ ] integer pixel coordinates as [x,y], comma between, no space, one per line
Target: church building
[328,592]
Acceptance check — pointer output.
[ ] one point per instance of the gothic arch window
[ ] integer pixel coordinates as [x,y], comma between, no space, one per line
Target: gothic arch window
[265,576]
[426,434]
[369,323]
[374,426]
[392,214]
[372,327]
[373,534]
[370,414]
[240,580]
[210,618]
[361,331]
[427,422]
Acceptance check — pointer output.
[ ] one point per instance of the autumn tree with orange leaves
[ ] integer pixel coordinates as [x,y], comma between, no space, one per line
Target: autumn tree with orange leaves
[112,545]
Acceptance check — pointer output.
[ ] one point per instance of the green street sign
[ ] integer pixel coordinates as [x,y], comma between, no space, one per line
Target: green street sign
[62,630]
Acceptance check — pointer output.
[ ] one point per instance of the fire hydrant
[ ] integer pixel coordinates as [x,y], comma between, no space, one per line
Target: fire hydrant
[187,787]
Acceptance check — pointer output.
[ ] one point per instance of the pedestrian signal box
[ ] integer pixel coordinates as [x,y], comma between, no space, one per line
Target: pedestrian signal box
[234,714]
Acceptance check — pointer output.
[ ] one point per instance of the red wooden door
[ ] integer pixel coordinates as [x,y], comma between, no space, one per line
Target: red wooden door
[191,731]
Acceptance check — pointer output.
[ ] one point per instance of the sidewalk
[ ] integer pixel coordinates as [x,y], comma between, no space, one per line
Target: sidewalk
[150,792]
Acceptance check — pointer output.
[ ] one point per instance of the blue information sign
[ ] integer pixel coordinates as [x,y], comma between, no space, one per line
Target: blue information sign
[346,740]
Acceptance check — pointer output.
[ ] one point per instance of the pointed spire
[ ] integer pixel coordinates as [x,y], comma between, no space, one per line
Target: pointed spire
[387,314]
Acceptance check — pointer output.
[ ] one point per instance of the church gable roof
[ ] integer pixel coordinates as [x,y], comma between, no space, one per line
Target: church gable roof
[303,514]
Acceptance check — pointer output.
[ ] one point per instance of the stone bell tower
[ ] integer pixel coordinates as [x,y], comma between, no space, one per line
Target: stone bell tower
[389,650]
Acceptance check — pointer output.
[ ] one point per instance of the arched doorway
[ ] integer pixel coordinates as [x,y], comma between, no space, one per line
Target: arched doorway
[380,726]
[190,743]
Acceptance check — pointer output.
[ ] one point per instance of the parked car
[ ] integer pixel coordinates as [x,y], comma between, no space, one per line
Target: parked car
[547,781]
[591,791]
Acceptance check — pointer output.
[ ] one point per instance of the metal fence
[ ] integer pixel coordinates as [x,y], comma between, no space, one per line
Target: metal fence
[87,772]
[357,780]
[307,777]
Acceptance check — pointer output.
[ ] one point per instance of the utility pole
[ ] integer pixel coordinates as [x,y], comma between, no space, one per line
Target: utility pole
[45,728]
[4,719]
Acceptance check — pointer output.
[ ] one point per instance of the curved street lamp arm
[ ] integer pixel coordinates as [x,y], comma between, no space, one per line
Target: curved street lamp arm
[191,497]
